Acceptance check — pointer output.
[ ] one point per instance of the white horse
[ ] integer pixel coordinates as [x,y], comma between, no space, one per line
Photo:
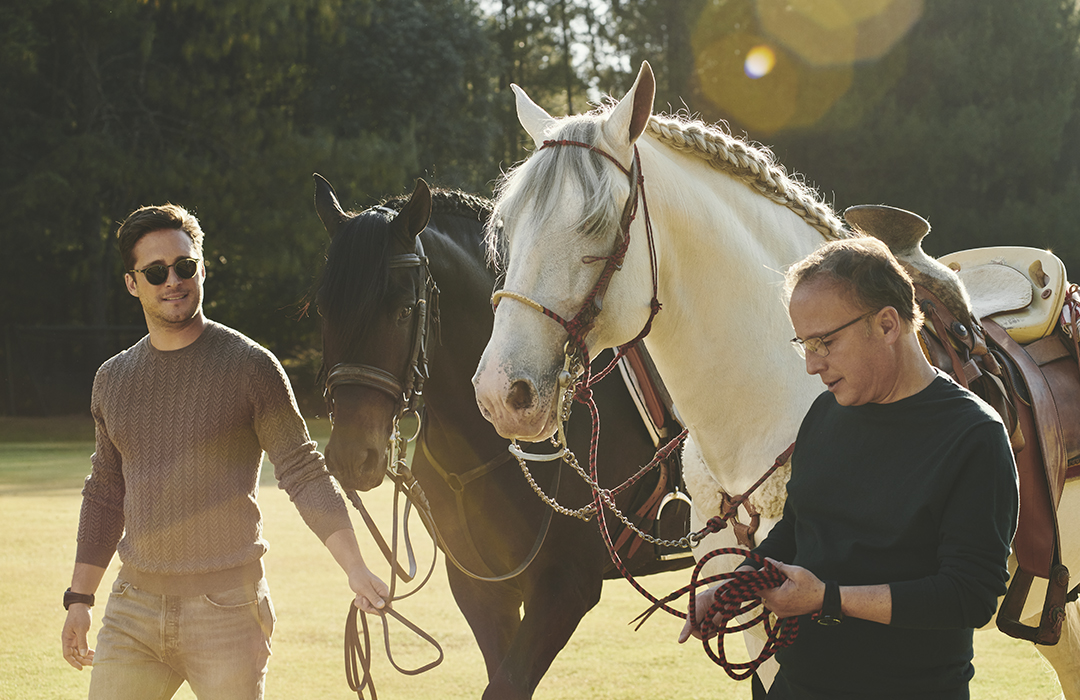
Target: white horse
[726,221]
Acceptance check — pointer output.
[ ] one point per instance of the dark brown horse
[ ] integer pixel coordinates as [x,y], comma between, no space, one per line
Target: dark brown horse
[381,315]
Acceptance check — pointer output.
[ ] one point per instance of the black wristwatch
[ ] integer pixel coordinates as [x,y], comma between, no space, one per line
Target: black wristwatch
[830,607]
[85,599]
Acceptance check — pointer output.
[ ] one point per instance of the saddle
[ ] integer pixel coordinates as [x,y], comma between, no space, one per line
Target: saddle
[1004,323]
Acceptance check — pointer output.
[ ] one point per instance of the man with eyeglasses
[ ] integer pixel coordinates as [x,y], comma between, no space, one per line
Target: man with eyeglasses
[182,419]
[902,501]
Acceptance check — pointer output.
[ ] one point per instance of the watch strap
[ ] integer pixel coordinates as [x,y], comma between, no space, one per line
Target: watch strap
[84,598]
[831,613]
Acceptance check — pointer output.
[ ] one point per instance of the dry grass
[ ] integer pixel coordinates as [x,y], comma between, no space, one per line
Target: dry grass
[606,659]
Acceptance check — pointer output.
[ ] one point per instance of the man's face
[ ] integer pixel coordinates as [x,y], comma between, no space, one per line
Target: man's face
[860,367]
[176,301]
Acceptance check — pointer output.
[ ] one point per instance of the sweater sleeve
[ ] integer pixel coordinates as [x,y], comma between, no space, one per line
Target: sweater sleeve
[977,526]
[101,519]
[298,466]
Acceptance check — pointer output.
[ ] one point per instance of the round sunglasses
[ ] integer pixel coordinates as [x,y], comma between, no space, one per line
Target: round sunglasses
[157,274]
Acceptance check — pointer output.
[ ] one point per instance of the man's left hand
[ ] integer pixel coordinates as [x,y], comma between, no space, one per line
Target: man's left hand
[801,594]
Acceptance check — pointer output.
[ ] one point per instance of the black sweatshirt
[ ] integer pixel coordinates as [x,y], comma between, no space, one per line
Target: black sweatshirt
[920,494]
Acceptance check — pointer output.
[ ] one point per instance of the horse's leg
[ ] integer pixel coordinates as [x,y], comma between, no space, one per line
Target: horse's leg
[1065,655]
[492,611]
[555,601]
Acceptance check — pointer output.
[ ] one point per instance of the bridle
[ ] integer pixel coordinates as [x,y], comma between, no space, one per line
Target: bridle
[408,390]
[583,321]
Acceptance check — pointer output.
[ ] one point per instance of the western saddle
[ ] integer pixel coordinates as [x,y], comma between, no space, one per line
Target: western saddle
[1004,322]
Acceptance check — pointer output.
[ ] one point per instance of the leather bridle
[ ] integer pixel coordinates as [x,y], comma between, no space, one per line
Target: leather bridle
[583,321]
[408,390]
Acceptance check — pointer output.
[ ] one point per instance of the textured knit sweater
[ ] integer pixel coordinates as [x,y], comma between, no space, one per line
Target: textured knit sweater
[175,473]
[920,494]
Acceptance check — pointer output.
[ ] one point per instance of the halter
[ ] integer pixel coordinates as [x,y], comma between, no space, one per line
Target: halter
[407,391]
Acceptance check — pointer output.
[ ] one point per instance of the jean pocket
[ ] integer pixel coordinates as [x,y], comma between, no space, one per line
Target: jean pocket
[233,598]
[267,616]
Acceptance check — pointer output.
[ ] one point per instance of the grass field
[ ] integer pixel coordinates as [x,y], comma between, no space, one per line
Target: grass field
[43,462]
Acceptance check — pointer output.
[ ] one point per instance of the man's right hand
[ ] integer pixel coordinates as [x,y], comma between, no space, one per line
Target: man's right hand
[73,638]
[692,628]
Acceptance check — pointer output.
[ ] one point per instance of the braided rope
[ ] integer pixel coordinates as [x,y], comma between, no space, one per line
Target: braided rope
[739,596]
[754,165]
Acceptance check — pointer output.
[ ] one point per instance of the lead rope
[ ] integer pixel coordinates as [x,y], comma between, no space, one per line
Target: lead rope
[357,647]
[739,596]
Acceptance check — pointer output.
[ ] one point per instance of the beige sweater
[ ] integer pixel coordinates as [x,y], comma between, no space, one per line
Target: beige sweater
[175,474]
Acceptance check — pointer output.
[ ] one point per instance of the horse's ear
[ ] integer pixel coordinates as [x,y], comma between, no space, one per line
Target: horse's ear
[630,117]
[414,216]
[326,204]
[534,118]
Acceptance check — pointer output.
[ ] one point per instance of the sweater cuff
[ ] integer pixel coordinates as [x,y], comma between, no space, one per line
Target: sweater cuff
[94,554]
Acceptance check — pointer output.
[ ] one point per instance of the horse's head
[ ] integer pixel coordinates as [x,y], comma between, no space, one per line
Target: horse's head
[561,213]
[373,297]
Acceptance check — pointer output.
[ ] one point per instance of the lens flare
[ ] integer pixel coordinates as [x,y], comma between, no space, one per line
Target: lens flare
[759,62]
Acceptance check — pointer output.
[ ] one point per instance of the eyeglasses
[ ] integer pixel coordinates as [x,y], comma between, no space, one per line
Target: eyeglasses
[157,274]
[817,345]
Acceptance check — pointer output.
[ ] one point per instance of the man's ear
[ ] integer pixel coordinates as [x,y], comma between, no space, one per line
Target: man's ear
[132,287]
[890,323]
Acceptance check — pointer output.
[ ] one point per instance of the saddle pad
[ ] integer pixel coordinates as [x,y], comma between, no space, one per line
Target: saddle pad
[1040,269]
[995,288]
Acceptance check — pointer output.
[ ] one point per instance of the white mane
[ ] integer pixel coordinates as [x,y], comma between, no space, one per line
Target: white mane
[538,180]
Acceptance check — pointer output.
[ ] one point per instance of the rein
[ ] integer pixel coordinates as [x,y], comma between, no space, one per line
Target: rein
[357,647]
[576,382]
[457,484]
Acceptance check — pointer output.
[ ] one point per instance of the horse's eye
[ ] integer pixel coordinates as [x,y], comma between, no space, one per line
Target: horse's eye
[405,312]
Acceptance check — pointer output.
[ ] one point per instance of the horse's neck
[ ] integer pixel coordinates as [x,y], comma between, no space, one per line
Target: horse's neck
[457,265]
[721,340]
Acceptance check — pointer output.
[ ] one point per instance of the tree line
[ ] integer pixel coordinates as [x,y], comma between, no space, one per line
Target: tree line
[962,112]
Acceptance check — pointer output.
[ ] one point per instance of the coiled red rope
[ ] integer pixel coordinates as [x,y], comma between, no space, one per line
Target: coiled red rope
[739,596]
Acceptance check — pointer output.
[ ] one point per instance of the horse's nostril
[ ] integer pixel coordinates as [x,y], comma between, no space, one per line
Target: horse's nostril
[521,395]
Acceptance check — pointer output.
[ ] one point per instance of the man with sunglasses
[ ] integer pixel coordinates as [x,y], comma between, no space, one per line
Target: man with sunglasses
[902,501]
[182,419]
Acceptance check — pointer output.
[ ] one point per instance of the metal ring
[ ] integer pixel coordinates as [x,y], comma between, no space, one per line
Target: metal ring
[419,423]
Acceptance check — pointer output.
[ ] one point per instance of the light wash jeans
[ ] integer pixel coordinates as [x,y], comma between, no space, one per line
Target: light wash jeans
[150,644]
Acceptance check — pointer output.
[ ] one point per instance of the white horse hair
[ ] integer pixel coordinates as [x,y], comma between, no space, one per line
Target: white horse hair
[727,221]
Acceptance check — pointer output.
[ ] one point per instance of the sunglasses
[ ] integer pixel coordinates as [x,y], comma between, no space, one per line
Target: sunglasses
[157,274]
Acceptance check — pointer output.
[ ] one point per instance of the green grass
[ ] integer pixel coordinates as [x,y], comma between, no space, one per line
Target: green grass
[43,462]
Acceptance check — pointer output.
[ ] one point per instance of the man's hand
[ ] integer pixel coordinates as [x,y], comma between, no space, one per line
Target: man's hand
[73,638]
[801,594]
[703,601]
[371,592]
[692,628]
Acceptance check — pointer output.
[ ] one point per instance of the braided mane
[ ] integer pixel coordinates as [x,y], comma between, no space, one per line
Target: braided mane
[539,177]
[755,165]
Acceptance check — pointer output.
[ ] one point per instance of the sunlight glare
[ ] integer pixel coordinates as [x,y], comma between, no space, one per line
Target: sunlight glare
[759,62]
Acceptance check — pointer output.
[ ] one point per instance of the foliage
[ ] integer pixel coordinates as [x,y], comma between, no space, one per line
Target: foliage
[975,129]
[228,107]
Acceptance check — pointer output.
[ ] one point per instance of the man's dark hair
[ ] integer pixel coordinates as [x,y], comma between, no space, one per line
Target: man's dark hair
[146,220]
[867,269]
